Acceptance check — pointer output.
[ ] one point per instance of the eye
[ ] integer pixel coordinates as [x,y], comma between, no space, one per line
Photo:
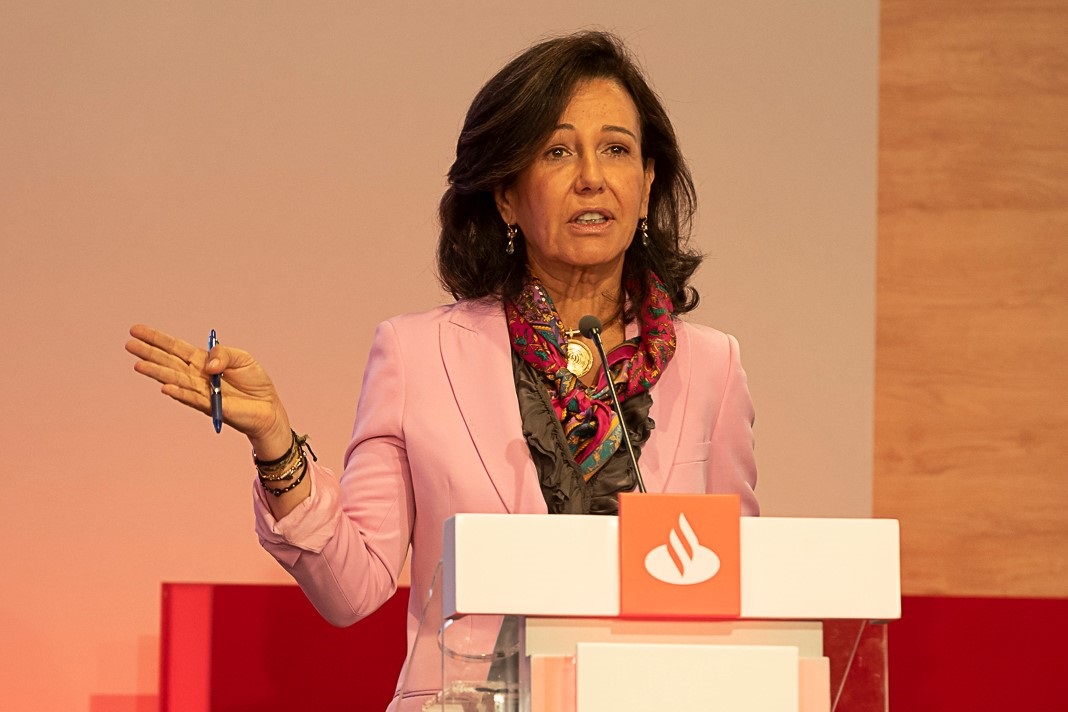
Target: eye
[556,152]
[618,150]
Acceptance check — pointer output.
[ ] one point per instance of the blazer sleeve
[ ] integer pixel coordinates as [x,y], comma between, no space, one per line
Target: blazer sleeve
[732,465]
[345,545]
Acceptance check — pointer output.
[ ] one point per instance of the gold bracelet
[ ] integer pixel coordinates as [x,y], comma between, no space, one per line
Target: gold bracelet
[281,491]
[286,475]
[283,467]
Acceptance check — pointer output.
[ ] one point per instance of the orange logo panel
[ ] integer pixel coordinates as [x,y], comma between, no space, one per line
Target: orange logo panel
[680,555]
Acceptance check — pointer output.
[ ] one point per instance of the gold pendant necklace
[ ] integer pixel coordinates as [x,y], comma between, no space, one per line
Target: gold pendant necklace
[579,356]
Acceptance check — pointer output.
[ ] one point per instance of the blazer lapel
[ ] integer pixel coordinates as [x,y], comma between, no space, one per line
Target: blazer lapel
[669,407]
[478,360]
[477,357]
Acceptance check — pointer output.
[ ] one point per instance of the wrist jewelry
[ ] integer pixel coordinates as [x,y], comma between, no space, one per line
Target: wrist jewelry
[282,490]
[286,475]
[285,466]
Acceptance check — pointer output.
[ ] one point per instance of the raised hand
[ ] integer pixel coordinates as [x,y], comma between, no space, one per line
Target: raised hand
[250,403]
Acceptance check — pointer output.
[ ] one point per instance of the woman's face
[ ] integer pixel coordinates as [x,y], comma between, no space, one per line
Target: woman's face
[579,201]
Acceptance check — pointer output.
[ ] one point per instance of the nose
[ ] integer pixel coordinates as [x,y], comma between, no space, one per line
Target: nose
[591,174]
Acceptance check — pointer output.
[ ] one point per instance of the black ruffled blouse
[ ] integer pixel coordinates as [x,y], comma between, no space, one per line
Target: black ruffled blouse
[562,484]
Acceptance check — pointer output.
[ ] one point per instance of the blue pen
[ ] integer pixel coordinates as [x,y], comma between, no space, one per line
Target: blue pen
[216,390]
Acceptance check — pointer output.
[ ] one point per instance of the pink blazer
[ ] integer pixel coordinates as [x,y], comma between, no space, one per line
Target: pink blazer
[438,432]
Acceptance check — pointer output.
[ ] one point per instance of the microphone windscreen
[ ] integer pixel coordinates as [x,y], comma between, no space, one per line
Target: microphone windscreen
[589,325]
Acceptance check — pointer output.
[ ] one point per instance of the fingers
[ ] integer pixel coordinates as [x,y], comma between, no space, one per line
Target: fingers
[221,358]
[185,379]
[168,360]
[182,350]
[154,347]
[172,361]
[193,399]
[192,391]
[152,355]
[157,347]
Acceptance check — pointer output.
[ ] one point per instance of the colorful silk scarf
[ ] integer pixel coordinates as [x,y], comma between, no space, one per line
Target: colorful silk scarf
[590,424]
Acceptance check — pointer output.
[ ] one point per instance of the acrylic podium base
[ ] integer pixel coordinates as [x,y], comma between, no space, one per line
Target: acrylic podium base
[481,663]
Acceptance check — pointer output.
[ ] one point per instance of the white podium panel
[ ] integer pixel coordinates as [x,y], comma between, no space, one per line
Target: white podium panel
[531,564]
[820,568]
[613,677]
[548,565]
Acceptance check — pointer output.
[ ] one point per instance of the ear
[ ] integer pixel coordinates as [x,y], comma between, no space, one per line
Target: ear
[649,175]
[503,198]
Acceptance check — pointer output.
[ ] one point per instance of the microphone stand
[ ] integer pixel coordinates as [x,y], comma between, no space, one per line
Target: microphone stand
[590,326]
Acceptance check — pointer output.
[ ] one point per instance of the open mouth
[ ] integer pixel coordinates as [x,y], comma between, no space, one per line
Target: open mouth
[591,218]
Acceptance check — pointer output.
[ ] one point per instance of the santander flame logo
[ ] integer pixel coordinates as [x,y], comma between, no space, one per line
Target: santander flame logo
[682,561]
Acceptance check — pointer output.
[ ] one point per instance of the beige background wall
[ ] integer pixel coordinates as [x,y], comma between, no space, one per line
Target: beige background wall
[271,170]
[972,358]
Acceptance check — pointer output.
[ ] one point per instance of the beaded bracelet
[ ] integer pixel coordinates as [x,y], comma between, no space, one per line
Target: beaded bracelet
[282,468]
[282,490]
[287,475]
[275,466]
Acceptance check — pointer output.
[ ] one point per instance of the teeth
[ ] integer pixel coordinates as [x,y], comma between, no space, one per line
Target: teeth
[589,218]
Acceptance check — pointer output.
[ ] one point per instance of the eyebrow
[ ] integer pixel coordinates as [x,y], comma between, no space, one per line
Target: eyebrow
[606,127]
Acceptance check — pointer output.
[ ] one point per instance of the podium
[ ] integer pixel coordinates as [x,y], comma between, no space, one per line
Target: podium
[525,616]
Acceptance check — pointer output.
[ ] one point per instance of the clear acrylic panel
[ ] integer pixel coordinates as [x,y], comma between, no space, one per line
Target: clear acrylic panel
[475,664]
[857,650]
[468,663]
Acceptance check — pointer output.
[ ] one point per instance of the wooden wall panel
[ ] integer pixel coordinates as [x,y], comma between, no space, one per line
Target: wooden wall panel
[971,433]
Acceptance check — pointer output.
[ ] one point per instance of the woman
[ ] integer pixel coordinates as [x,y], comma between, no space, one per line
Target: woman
[568,197]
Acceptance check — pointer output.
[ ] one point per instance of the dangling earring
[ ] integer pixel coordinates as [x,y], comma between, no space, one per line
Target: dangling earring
[643,225]
[513,230]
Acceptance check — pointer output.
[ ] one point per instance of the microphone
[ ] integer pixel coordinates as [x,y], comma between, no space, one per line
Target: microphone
[590,327]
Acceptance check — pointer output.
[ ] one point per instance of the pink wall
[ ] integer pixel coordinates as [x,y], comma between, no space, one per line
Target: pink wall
[272,172]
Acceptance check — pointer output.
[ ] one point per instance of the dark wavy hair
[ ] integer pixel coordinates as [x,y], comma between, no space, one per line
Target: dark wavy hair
[509,120]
